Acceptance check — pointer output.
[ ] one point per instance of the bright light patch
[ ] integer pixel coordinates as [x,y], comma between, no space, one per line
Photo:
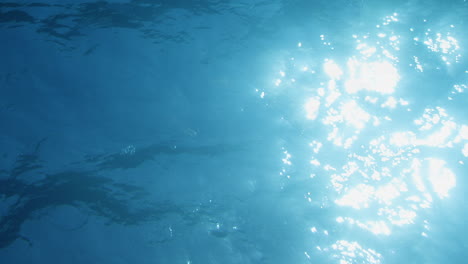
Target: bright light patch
[459,88]
[287,158]
[376,227]
[332,70]
[401,139]
[417,178]
[312,107]
[315,162]
[371,99]
[398,216]
[352,252]
[365,50]
[447,45]
[333,93]
[335,138]
[465,150]
[385,175]
[418,64]
[430,118]
[354,115]
[385,194]
[321,91]
[442,178]
[390,103]
[316,146]
[439,138]
[405,217]
[463,134]
[381,77]
[349,142]
[389,55]
[358,197]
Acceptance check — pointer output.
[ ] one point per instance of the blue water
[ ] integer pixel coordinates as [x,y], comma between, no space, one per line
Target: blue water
[217,131]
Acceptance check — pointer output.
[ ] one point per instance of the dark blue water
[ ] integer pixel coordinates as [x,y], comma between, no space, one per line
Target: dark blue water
[216,131]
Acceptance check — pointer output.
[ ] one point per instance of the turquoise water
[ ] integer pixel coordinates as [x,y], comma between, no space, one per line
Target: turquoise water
[223,131]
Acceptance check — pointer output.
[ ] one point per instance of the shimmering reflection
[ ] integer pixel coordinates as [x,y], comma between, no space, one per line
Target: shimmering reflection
[377,76]
[353,252]
[379,155]
[446,45]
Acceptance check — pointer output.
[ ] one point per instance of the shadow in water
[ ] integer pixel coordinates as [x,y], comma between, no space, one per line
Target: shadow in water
[28,193]
[130,158]
[73,20]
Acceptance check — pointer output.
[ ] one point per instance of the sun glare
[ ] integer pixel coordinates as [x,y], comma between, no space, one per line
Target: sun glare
[376,147]
[380,77]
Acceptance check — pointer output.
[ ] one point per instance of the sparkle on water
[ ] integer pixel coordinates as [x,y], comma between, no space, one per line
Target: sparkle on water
[386,172]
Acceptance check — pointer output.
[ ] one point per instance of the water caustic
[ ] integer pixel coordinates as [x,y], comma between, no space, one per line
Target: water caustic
[393,157]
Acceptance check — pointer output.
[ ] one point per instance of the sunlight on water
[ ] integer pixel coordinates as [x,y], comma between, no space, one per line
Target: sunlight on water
[332,70]
[350,252]
[381,77]
[312,106]
[389,174]
[442,178]
[447,45]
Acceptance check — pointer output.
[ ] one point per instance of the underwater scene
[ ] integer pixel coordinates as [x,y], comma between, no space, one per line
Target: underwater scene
[233,131]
